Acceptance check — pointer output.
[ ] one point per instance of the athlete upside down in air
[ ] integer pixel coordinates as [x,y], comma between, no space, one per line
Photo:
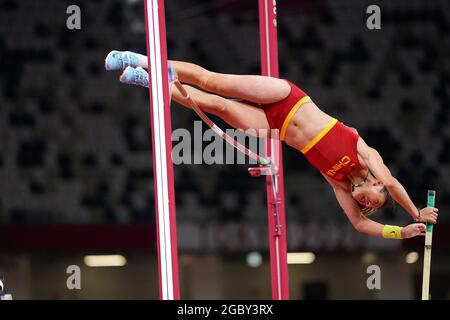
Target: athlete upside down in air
[360,180]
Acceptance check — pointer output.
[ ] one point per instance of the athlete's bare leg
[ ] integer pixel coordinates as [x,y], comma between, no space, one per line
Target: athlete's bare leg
[256,89]
[238,114]
[253,88]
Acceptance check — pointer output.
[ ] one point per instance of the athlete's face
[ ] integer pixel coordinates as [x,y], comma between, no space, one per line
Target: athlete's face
[370,194]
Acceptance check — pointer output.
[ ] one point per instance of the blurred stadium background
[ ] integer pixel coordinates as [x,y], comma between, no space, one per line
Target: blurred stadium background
[75,153]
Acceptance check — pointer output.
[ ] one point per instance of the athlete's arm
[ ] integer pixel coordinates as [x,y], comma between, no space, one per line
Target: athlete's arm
[394,187]
[364,224]
[353,212]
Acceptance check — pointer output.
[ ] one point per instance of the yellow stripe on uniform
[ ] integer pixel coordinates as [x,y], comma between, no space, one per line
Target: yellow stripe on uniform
[317,138]
[291,113]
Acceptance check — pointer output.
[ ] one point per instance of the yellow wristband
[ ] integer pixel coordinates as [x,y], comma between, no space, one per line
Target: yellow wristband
[392,232]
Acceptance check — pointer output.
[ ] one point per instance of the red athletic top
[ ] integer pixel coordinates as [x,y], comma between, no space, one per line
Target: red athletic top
[334,151]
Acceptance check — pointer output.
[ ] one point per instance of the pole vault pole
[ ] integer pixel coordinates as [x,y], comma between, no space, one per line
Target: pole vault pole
[431,195]
[275,182]
[162,149]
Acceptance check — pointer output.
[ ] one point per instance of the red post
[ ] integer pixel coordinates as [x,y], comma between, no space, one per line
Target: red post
[162,150]
[275,183]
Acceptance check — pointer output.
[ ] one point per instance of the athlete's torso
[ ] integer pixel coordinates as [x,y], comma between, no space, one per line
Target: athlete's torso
[306,124]
[335,154]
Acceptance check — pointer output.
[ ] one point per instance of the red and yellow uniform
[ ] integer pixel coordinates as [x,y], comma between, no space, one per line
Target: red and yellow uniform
[279,114]
[333,151]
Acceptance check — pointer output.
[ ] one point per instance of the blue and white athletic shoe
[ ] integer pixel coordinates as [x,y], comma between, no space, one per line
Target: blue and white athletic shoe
[119,60]
[137,76]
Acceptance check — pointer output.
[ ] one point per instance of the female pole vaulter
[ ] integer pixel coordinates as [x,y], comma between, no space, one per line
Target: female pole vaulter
[361,181]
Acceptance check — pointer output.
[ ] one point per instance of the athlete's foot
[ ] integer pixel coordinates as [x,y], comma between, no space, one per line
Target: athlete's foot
[119,60]
[137,76]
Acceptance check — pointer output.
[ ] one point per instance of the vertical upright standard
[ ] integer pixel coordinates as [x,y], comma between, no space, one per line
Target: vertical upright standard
[162,148]
[275,183]
[163,167]
[427,253]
